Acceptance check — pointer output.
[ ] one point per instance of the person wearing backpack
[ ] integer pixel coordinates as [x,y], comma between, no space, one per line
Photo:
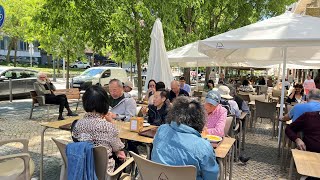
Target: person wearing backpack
[228,102]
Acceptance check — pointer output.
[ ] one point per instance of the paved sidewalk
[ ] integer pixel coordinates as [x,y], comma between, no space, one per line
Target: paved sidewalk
[14,123]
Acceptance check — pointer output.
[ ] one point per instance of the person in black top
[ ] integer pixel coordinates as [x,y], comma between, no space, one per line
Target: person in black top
[158,111]
[176,91]
[262,81]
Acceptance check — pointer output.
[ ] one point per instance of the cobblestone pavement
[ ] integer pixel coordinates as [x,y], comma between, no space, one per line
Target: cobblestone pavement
[14,123]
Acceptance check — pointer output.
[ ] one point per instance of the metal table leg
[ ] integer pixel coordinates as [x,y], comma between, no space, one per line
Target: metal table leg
[244,130]
[221,169]
[291,168]
[148,151]
[231,163]
[41,152]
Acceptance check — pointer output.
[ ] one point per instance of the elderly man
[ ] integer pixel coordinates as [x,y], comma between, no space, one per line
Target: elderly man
[44,87]
[217,115]
[123,107]
[312,105]
[176,91]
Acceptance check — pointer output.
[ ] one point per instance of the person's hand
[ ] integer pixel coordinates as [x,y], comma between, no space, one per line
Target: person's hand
[121,155]
[112,115]
[300,144]
[108,117]
[144,110]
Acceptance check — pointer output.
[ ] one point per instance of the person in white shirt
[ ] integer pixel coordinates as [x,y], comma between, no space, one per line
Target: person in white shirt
[184,86]
[224,91]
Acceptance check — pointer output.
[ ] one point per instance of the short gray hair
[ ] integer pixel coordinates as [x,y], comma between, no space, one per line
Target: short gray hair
[188,112]
[41,74]
[119,83]
[314,94]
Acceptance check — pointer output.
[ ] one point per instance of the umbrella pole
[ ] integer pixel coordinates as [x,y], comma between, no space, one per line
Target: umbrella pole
[197,77]
[282,94]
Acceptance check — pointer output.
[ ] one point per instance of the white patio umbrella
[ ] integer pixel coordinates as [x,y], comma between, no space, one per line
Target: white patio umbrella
[158,64]
[286,38]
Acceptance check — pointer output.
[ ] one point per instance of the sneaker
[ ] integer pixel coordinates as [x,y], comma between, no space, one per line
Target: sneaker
[72,114]
[60,118]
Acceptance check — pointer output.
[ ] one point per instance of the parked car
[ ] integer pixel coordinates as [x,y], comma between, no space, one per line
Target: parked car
[111,65]
[80,65]
[22,81]
[98,76]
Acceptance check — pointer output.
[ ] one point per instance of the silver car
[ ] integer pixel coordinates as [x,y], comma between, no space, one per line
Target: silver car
[22,81]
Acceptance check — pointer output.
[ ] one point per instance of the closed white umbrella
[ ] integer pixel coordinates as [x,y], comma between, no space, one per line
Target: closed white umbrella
[158,64]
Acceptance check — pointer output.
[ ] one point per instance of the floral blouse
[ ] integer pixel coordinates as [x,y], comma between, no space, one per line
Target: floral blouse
[101,132]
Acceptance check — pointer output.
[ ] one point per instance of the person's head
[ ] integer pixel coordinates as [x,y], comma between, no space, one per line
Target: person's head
[160,85]
[245,82]
[160,96]
[314,94]
[175,87]
[224,92]
[42,76]
[212,101]
[188,112]
[308,77]
[210,84]
[115,88]
[95,99]
[221,75]
[127,86]
[298,89]
[182,81]
[152,84]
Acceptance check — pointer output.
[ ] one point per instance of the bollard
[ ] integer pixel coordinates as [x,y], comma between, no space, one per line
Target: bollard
[10,89]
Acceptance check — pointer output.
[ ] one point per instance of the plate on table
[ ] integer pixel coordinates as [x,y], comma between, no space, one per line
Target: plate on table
[146,124]
[213,138]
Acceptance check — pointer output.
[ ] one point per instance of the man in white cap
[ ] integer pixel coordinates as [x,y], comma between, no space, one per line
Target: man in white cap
[217,115]
[228,102]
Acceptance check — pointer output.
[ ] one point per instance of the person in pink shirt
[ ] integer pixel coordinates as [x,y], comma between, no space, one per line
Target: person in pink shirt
[308,84]
[217,115]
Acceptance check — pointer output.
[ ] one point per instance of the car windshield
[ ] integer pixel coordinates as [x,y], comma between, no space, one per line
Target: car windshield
[92,72]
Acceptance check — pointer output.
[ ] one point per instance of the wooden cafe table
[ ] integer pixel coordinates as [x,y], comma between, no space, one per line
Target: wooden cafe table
[307,163]
[221,152]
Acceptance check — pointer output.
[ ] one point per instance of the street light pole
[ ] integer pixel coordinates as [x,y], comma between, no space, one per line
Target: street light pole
[31,51]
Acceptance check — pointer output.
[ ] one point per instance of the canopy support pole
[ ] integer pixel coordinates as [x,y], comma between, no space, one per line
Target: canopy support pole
[197,77]
[282,95]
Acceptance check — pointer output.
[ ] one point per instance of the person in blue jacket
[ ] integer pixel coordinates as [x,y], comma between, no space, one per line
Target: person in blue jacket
[179,142]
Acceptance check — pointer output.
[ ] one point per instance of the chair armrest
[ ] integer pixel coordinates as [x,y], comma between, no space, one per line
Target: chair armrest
[26,159]
[41,100]
[119,169]
[24,142]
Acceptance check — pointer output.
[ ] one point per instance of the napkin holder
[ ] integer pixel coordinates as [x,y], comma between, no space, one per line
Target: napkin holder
[136,124]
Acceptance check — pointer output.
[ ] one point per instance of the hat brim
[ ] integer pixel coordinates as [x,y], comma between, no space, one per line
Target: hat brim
[211,101]
[226,96]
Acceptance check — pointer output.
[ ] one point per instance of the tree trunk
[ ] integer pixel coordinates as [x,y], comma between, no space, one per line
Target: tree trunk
[186,75]
[58,65]
[9,50]
[15,45]
[68,62]
[138,58]
[208,71]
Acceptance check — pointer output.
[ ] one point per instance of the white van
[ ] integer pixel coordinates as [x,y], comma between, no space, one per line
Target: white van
[98,76]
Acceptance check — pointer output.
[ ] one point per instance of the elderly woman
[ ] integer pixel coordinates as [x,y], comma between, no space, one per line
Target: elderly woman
[246,86]
[96,125]
[180,143]
[44,87]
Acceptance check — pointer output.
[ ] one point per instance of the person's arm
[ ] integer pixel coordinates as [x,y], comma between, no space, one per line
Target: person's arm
[220,124]
[131,109]
[209,166]
[285,117]
[293,129]
[40,89]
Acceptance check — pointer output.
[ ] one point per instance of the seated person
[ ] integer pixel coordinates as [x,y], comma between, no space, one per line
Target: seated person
[297,95]
[217,115]
[160,85]
[222,79]
[246,87]
[209,86]
[176,91]
[127,86]
[298,109]
[228,102]
[123,106]
[151,91]
[261,81]
[158,111]
[96,125]
[44,87]
[243,105]
[181,136]
[183,85]
[309,125]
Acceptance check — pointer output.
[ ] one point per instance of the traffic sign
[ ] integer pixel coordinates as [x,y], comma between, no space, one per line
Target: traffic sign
[2,16]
